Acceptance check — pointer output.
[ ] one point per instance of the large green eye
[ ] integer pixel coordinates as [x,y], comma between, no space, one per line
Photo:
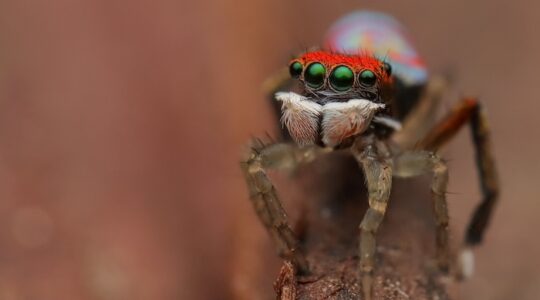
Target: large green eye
[342,78]
[314,75]
[367,78]
[295,69]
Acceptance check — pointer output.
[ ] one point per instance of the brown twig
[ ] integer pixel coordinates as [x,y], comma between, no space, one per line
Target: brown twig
[334,204]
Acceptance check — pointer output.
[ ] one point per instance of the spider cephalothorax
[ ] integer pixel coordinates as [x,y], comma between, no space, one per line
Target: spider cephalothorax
[342,95]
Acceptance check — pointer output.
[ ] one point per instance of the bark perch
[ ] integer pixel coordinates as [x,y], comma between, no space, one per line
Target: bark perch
[334,203]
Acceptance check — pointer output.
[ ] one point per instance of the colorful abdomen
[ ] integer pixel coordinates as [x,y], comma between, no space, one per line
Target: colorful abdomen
[382,35]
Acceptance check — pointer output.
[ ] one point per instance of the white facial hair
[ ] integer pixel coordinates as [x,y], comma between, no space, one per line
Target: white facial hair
[340,120]
[300,116]
[344,119]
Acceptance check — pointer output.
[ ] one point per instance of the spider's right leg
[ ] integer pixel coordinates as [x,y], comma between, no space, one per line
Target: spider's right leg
[264,196]
[378,174]
[279,81]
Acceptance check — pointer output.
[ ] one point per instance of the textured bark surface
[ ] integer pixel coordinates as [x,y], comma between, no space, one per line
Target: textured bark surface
[329,230]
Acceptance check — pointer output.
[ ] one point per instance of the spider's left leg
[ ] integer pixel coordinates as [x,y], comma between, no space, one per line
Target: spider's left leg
[264,197]
[416,163]
[378,173]
[470,110]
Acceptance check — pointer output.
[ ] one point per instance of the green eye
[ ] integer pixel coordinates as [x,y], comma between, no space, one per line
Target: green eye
[342,78]
[314,75]
[367,78]
[295,69]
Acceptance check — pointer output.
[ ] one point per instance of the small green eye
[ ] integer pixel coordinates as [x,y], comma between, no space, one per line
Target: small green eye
[342,78]
[367,78]
[295,69]
[314,75]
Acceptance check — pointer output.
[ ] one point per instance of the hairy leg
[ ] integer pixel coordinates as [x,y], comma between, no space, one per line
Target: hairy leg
[276,82]
[422,117]
[264,197]
[378,173]
[470,111]
[417,163]
[279,81]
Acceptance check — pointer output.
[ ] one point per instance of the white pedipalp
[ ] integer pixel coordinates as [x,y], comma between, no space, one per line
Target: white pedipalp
[388,122]
[300,116]
[344,119]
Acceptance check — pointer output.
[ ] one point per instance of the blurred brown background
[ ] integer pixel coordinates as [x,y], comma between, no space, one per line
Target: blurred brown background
[122,123]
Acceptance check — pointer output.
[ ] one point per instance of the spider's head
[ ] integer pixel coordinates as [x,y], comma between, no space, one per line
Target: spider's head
[342,95]
[330,77]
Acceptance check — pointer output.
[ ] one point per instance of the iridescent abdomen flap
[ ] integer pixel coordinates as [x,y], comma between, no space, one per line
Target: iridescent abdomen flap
[382,35]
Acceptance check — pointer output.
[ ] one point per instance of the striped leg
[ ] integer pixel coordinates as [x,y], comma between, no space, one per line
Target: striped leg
[378,174]
[416,163]
[470,111]
[264,196]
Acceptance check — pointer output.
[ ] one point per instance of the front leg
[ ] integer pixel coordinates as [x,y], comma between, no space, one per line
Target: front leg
[264,196]
[378,173]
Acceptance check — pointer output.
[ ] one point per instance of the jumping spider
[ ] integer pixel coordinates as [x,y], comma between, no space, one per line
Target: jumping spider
[347,103]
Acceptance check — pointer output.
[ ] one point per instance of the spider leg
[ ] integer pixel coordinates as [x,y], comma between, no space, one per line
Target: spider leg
[419,121]
[264,197]
[276,82]
[378,173]
[420,162]
[279,81]
[470,110]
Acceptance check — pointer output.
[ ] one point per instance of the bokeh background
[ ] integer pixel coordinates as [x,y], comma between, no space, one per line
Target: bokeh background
[122,124]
